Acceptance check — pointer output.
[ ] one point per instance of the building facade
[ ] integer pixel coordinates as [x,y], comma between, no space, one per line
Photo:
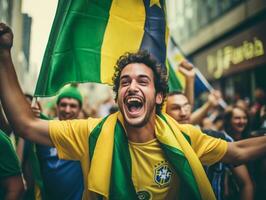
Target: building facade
[225,39]
[11,14]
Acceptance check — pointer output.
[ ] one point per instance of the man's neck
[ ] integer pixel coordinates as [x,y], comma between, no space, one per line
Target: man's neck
[141,134]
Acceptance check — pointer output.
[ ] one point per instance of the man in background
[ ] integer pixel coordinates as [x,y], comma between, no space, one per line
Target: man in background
[63,179]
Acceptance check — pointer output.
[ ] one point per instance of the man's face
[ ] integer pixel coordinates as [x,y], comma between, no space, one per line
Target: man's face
[178,107]
[137,98]
[68,108]
[239,120]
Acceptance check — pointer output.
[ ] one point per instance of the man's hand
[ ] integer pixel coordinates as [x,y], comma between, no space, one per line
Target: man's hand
[187,69]
[214,98]
[6,37]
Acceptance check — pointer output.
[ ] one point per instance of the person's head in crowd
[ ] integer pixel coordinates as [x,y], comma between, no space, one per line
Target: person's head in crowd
[236,122]
[260,98]
[36,108]
[69,103]
[218,122]
[241,103]
[259,120]
[207,123]
[178,107]
[260,95]
[140,85]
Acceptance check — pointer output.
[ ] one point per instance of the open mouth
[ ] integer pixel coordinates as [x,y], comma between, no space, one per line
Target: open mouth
[134,104]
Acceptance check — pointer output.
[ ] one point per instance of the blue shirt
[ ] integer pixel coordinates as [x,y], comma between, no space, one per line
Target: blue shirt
[63,179]
[216,172]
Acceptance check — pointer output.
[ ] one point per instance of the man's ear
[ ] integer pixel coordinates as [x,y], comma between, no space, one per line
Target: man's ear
[159,98]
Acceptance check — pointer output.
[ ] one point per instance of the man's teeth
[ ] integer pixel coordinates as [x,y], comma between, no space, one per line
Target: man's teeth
[133,100]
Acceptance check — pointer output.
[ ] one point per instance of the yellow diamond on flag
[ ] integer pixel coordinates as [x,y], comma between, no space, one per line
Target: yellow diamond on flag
[155,2]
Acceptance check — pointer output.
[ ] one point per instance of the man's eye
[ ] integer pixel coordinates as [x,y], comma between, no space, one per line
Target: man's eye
[177,108]
[143,82]
[124,83]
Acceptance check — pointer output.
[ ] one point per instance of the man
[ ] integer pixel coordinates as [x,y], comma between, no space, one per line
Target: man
[11,184]
[178,107]
[164,164]
[58,175]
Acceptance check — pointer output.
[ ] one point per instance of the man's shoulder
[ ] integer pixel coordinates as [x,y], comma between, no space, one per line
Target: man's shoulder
[188,128]
[93,122]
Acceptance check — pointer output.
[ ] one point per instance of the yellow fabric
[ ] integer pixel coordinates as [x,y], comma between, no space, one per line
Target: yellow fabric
[104,143]
[37,192]
[155,2]
[147,158]
[71,140]
[181,78]
[128,19]
[177,140]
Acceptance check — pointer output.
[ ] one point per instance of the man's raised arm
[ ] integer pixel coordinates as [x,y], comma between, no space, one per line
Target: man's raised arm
[246,150]
[16,107]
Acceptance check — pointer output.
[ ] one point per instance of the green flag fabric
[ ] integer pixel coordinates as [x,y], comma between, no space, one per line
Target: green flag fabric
[176,80]
[88,36]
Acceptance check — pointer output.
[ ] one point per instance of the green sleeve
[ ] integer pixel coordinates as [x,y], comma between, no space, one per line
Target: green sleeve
[9,164]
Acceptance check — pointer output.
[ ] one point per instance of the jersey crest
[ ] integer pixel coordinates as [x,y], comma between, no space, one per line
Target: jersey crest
[162,174]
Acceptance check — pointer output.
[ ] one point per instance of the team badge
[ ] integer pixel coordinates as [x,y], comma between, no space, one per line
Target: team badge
[162,174]
[143,195]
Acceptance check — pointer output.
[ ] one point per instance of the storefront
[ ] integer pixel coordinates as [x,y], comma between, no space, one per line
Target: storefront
[237,63]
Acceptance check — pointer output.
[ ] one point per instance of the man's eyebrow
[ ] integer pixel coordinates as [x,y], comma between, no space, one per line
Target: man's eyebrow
[139,76]
[144,76]
[124,76]
[176,104]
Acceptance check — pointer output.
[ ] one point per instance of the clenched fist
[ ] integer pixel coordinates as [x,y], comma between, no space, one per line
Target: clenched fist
[6,37]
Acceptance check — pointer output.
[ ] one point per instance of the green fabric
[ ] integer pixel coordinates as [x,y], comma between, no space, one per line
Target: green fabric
[184,134]
[9,163]
[121,187]
[73,52]
[94,136]
[70,92]
[173,82]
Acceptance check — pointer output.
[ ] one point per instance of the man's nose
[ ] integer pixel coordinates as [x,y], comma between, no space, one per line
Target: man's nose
[133,86]
[67,109]
[183,110]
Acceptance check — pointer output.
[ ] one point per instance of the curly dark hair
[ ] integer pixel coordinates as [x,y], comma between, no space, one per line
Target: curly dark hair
[160,72]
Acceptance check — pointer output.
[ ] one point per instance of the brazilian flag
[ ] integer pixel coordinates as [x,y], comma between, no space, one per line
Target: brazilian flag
[88,36]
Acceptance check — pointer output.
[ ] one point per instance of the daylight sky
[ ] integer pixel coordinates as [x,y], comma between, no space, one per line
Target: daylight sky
[42,13]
